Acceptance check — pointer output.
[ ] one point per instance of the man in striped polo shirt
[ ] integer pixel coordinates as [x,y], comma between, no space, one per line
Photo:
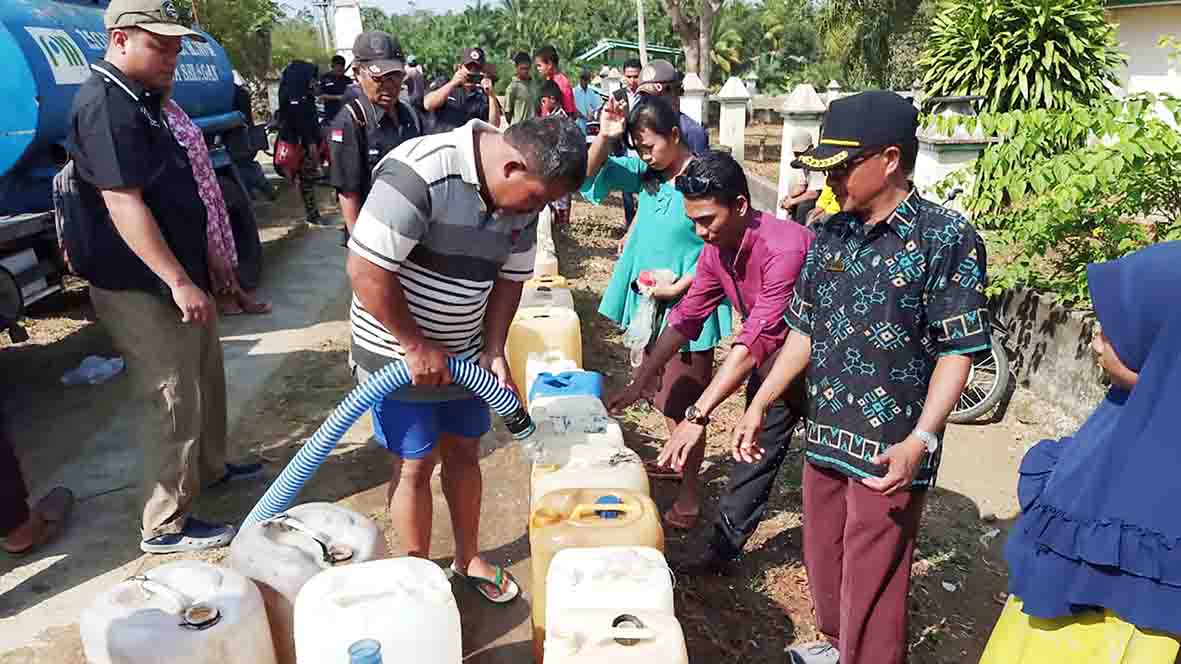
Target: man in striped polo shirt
[437,260]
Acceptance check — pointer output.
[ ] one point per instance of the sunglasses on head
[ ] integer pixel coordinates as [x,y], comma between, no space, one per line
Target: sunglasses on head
[694,186]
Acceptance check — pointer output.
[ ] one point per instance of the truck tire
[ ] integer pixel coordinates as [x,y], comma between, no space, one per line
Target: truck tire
[12,300]
[245,228]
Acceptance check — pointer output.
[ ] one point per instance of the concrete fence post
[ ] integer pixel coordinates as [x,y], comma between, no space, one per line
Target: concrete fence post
[732,125]
[694,96]
[832,92]
[943,153]
[803,110]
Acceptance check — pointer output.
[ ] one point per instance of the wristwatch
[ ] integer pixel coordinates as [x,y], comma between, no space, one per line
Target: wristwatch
[692,414]
[929,439]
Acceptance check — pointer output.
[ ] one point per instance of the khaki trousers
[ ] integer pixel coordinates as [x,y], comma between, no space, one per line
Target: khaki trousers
[177,368]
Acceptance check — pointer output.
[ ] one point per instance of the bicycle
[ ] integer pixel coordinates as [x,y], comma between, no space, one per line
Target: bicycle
[988,379]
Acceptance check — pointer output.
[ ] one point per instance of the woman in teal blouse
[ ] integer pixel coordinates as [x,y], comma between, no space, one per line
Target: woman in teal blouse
[661,237]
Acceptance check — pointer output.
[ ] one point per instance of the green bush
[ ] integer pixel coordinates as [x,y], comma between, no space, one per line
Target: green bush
[1021,54]
[1066,188]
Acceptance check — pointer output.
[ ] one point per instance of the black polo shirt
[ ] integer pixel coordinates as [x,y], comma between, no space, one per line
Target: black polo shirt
[119,140]
[460,108]
[351,171]
[333,84]
[882,303]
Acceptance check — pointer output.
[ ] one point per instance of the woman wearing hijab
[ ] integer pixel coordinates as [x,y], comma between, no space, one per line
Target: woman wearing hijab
[1095,557]
[299,124]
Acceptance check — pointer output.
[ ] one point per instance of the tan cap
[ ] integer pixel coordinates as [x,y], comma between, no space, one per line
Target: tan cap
[158,17]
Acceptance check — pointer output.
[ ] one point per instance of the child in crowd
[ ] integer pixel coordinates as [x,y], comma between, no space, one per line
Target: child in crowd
[550,103]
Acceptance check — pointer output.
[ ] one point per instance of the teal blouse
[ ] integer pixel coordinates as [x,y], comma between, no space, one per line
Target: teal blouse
[662,237]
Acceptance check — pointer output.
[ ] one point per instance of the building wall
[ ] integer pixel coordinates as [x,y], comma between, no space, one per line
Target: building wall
[1140,28]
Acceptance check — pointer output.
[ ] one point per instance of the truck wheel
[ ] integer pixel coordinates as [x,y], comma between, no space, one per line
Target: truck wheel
[245,228]
[12,300]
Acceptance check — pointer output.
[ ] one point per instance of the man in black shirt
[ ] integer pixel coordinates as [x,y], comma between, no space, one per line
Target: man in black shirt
[146,250]
[332,89]
[467,96]
[370,125]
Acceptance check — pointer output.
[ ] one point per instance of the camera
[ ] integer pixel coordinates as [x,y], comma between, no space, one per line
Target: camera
[475,78]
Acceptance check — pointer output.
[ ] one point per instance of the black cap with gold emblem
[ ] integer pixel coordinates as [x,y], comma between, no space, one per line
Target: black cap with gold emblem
[864,121]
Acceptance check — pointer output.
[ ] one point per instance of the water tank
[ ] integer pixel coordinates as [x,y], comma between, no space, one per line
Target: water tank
[46,47]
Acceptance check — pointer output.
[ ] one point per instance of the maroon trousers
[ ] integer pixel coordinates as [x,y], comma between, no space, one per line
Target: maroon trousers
[858,547]
[14,496]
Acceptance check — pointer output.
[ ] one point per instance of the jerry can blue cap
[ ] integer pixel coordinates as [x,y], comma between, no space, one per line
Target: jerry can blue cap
[609,500]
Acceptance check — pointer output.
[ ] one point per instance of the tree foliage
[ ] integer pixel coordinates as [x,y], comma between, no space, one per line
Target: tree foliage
[1066,188]
[242,27]
[1022,54]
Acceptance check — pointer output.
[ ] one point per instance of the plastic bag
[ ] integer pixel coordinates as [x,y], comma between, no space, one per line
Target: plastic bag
[643,323]
[94,370]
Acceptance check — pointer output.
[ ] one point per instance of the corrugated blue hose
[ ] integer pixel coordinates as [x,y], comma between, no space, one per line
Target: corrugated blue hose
[380,385]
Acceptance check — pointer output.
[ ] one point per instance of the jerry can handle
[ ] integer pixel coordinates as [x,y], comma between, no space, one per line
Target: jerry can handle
[624,634]
[330,553]
[194,615]
[581,511]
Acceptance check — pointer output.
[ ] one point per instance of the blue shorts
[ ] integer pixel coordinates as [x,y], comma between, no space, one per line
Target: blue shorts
[411,429]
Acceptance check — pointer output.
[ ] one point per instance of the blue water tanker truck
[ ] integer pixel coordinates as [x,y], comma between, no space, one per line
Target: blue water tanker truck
[46,47]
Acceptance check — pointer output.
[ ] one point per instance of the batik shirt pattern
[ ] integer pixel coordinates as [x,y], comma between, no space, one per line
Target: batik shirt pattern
[881,303]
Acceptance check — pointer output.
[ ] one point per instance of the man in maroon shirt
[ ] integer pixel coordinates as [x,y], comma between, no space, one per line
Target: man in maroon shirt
[752,259]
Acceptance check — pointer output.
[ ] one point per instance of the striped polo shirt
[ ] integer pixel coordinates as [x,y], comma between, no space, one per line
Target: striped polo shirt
[426,221]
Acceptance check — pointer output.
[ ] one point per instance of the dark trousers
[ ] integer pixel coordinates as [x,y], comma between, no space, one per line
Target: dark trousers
[858,547]
[745,502]
[14,495]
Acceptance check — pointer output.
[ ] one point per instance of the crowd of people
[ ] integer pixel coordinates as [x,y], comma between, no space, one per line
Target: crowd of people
[858,315]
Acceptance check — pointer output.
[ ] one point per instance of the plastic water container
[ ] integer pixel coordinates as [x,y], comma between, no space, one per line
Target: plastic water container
[573,518]
[541,330]
[547,296]
[545,262]
[551,448]
[609,577]
[566,396]
[554,281]
[574,383]
[284,553]
[619,637]
[187,612]
[591,467]
[550,362]
[406,604]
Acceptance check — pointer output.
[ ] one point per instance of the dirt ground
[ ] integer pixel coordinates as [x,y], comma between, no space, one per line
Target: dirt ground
[753,615]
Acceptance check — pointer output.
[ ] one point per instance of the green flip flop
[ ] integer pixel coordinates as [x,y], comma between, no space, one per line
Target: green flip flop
[480,584]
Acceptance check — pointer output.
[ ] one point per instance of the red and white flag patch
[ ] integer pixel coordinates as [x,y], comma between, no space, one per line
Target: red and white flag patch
[338,136]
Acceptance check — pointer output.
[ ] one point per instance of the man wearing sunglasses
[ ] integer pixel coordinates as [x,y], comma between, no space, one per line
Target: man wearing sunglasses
[752,259]
[371,124]
[887,310]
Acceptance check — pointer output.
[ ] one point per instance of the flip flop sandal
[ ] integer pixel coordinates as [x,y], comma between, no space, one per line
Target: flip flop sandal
[658,472]
[55,508]
[679,521]
[479,584]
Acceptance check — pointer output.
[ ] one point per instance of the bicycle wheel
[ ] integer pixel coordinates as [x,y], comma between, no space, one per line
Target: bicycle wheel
[987,382]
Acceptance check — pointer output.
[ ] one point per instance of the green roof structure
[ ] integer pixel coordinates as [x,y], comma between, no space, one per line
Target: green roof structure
[610,48]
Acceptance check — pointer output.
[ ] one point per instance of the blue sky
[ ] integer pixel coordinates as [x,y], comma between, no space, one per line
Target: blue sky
[402,6]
